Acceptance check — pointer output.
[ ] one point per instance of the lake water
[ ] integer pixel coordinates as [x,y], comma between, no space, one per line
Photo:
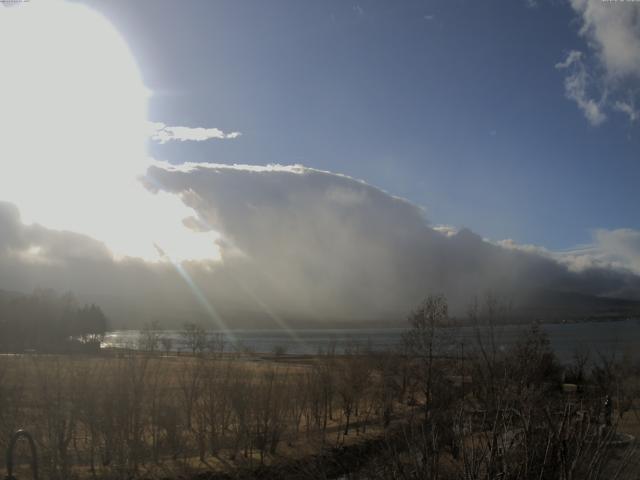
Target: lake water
[604,337]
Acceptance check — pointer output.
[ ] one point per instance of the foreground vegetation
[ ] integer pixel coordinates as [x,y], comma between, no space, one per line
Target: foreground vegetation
[433,408]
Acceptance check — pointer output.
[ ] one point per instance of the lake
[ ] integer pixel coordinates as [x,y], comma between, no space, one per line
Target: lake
[605,337]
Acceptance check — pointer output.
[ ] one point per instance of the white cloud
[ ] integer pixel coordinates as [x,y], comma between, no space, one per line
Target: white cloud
[573,57]
[164,133]
[612,32]
[628,108]
[533,249]
[614,250]
[613,29]
[446,230]
[576,86]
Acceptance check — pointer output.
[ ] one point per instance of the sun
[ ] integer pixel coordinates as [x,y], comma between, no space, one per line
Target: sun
[73,120]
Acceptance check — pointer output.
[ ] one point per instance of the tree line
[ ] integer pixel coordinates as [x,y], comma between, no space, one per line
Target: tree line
[48,322]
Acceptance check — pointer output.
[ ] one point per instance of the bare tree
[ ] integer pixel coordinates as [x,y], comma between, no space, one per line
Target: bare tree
[426,338]
[167,344]
[149,337]
[194,337]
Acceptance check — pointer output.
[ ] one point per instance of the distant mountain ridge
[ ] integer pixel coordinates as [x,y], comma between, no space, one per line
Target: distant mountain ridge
[541,305]
[548,305]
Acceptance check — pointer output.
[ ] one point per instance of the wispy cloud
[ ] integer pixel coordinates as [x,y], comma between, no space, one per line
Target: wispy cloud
[612,61]
[446,230]
[612,250]
[629,108]
[576,86]
[164,133]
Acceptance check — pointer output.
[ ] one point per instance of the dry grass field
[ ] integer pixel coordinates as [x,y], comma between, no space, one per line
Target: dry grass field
[511,414]
[129,414]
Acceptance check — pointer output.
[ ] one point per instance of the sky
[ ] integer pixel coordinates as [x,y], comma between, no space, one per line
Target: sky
[312,160]
[455,105]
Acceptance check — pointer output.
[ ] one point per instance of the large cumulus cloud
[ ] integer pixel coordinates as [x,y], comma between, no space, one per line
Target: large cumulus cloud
[331,244]
[299,245]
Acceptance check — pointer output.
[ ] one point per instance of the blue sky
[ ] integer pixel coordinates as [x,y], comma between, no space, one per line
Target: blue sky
[455,105]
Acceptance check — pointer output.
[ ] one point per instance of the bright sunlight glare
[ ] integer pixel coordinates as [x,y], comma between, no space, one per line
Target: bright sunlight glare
[74,128]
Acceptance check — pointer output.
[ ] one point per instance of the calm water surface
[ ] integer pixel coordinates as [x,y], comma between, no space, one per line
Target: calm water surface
[604,337]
